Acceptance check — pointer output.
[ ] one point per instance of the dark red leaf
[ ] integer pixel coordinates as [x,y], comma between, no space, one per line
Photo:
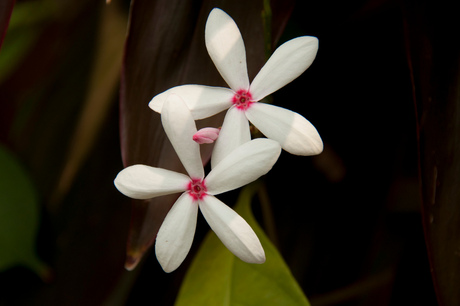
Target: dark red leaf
[6,7]
[434,57]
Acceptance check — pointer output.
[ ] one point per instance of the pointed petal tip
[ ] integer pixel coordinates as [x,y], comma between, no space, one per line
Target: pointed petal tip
[261,260]
[312,42]
[313,39]
[155,105]
[310,148]
[167,264]
[316,145]
[257,257]
[217,11]
[320,147]
[168,269]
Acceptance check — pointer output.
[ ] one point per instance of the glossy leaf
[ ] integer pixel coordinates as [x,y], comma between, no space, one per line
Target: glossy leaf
[19,216]
[434,58]
[165,48]
[103,84]
[217,277]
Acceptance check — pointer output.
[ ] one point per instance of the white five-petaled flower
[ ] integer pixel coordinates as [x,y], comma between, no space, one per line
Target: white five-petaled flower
[226,49]
[242,166]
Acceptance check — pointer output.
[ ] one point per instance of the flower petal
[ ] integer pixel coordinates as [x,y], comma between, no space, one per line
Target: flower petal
[234,132]
[295,133]
[180,127]
[234,232]
[289,61]
[226,49]
[203,101]
[245,164]
[176,233]
[145,182]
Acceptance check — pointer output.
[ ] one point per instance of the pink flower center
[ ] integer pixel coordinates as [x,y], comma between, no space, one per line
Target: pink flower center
[242,99]
[197,189]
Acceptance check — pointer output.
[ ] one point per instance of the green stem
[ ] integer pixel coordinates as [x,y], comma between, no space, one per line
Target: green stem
[267,214]
[267,24]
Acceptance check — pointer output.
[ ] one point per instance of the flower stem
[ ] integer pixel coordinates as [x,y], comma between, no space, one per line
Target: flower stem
[267,24]
[267,214]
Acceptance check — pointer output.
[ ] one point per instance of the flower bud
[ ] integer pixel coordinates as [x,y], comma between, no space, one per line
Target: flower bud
[206,135]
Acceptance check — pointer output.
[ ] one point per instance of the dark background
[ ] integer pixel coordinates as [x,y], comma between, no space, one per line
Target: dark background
[382,93]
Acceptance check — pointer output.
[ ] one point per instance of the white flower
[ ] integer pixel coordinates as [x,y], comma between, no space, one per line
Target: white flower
[226,49]
[244,165]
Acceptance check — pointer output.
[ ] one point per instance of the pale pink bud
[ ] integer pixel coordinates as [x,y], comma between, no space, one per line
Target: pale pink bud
[206,135]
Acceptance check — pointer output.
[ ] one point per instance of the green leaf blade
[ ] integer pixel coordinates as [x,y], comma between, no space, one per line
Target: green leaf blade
[19,216]
[217,277]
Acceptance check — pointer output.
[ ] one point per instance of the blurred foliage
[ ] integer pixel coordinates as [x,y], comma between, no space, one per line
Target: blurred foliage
[23,31]
[6,7]
[19,215]
[383,93]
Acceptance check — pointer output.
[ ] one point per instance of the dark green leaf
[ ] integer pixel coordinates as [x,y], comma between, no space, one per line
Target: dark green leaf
[19,216]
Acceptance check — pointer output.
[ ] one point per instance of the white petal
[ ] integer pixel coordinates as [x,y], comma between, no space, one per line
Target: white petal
[234,132]
[144,182]
[242,166]
[226,49]
[180,127]
[289,61]
[234,232]
[203,101]
[176,233]
[295,133]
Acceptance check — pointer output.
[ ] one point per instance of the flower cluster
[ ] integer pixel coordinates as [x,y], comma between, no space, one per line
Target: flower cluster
[236,159]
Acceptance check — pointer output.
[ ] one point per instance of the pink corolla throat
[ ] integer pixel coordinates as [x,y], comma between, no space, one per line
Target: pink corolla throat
[197,189]
[242,99]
